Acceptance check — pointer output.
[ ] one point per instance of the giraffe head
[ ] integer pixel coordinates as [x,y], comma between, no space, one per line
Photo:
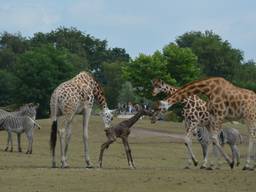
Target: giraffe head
[157,86]
[107,117]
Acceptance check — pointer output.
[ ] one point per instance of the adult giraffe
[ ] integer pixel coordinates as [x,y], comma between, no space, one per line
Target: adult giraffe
[225,101]
[70,97]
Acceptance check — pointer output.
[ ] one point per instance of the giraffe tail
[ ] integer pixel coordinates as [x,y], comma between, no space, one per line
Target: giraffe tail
[53,138]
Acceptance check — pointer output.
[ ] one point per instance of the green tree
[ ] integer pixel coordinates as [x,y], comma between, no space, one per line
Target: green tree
[39,71]
[113,81]
[145,68]
[181,64]
[215,56]
[127,94]
[7,89]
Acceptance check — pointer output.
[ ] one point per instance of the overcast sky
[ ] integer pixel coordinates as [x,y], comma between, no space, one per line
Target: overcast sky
[139,26]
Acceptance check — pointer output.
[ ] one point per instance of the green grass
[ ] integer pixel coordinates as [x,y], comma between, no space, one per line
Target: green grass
[159,164]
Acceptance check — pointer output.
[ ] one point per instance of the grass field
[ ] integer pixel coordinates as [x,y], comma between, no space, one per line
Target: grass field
[159,161]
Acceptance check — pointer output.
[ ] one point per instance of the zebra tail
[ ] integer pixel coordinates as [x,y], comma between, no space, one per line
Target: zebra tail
[53,138]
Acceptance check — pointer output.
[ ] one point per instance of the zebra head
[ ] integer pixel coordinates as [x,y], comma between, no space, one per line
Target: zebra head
[29,110]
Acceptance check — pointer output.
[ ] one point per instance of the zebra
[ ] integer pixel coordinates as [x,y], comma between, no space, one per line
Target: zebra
[230,136]
[8,119]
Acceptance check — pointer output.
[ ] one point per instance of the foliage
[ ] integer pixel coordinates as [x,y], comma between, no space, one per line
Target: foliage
[145,68]
[113,81]
[215,56]
[7,89]
[39,71]
[32,67]
[181,64]
[127,94]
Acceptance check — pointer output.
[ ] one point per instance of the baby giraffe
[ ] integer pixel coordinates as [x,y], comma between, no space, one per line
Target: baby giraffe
[122,130]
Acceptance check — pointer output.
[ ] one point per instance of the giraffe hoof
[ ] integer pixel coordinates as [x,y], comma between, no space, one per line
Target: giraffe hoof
[202,167]
[237,164]
[209,168]
[89,167]
[195,163]
[20,150]
[65,166]
[6,149]
[186,167]
[132,167]
[54,165]
[246,168]
[232,164]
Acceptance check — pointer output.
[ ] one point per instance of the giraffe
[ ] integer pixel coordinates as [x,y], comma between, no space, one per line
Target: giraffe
[70,97]
[225,101]
[195,115]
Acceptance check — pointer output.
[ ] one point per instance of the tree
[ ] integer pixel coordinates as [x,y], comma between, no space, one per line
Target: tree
[127,94]
[145,68]
[215,56]
[39,71]
[181,64]
[113,81]
[8,84]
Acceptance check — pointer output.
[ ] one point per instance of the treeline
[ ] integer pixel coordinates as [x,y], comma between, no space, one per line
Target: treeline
[30,68]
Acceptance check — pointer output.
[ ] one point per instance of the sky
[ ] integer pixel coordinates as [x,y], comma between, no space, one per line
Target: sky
[139,26]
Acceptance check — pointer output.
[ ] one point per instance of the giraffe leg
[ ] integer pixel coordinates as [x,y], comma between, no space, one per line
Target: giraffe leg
[188,144]
[128,153]
[62,133]
[67,139]
[103,147]
[205,149]
[86,116]
[250,151]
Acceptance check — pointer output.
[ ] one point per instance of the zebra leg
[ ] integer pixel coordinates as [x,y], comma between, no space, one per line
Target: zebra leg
[18,139]
[237,154]
[8,141]
[216,154]
[86,116]
[215,142]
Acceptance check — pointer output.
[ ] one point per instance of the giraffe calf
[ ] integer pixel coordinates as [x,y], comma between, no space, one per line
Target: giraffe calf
[122,130]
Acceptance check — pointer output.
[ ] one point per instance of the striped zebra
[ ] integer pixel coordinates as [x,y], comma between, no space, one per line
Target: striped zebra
[19,122]
[230,136]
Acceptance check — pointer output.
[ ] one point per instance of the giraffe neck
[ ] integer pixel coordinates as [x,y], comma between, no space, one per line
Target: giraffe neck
[99,95]
[197,87]
[168,89]
[130,122]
